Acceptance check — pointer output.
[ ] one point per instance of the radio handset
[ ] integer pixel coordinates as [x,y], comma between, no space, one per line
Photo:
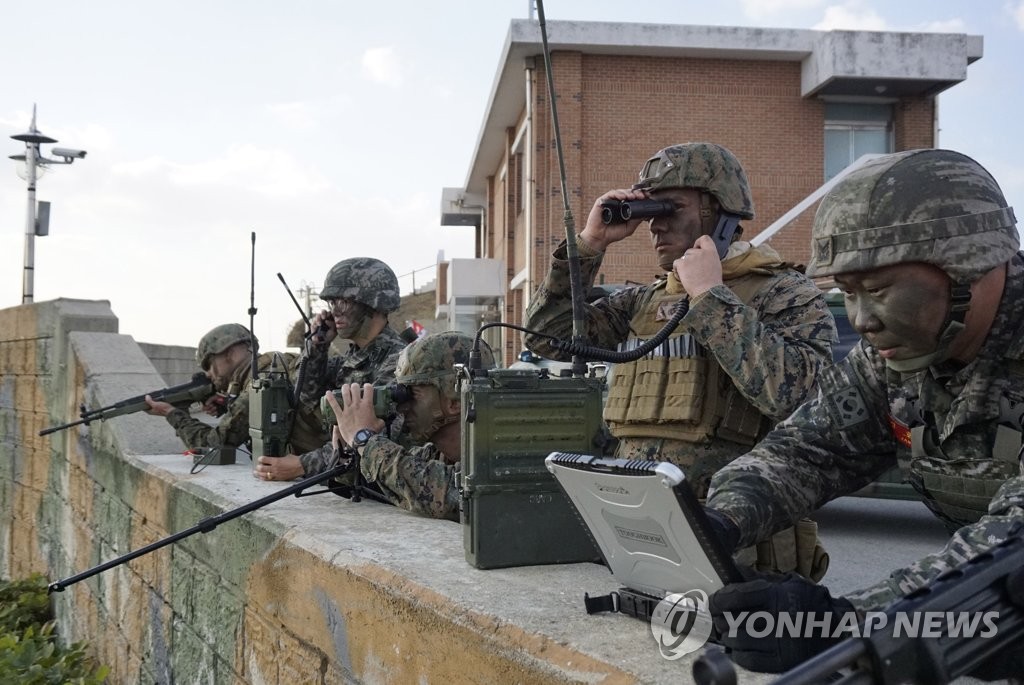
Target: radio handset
[724,232]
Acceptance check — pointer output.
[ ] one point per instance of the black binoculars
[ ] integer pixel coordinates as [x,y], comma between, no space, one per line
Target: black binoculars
[617,212]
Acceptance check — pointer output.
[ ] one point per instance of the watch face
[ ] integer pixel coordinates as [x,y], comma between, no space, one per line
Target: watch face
[362,436]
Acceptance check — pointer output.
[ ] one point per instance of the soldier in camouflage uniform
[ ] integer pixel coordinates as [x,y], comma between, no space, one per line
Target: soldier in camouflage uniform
[225,354]
[746,354]
[361,292]
[422,478]
[926,250]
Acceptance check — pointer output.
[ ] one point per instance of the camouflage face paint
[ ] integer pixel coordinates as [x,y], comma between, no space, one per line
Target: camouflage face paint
[900,310]
[423,415]
[673,235]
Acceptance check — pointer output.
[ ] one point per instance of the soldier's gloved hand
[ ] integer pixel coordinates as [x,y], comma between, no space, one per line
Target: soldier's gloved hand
[727,532]
[732,606]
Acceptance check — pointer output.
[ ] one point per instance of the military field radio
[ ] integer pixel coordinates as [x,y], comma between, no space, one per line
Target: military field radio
[513,511]
[270,402]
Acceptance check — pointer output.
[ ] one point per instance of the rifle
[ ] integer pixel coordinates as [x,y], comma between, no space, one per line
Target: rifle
[204,526]
[987,590]
[196,390]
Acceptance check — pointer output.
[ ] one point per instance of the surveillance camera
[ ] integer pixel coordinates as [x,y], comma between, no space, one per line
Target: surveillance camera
[68,152]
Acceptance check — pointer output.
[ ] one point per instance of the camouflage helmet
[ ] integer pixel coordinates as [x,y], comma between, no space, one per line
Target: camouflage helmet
[366,280]
[702,166]
[934,206]
[431,360]
[219,339]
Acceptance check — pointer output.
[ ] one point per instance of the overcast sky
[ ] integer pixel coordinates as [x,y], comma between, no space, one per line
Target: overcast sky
[328,127]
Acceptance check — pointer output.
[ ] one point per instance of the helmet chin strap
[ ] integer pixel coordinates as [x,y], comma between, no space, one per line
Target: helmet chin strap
[438,420]
[960,302]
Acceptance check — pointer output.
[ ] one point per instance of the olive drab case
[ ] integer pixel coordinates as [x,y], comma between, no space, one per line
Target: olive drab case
[513,512]
[270,415]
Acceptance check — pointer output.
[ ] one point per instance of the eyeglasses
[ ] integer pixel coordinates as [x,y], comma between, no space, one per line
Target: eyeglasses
[341,305]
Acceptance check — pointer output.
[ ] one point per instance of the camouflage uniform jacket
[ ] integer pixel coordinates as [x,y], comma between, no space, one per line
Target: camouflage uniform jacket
[943,426]
[232,429]
[374,363]
[772,349]
[414,478]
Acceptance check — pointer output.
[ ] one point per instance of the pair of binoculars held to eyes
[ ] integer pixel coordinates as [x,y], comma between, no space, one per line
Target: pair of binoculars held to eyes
[618,212]
[386,399]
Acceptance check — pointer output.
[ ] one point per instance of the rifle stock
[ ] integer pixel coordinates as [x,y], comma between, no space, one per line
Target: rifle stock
[991,585]
[992,582]
[196,390]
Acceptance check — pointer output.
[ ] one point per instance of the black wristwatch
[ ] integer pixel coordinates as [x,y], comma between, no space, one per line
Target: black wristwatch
[362,437]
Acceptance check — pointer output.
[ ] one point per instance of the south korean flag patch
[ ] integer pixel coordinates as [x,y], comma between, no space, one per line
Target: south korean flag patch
[848,406]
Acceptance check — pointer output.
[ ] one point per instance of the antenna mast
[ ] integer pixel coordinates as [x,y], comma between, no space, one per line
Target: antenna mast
[579,366]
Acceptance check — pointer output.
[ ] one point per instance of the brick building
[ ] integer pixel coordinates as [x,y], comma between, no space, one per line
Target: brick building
[796,107]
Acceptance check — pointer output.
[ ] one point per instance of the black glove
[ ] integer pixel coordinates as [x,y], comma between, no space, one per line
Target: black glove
[727,532]
[777,650]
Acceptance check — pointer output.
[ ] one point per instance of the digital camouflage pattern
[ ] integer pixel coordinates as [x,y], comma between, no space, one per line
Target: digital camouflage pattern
[219,339]
[420,478]
[933,206]
[366,280]
[232,428]
[772,349]
[703,166]
[374,363]
[943,427]
[431,360]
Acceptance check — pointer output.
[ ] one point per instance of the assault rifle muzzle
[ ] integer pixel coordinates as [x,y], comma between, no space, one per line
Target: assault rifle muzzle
[618,212]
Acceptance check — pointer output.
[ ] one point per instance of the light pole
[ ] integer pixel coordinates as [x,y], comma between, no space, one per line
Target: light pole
[33,159]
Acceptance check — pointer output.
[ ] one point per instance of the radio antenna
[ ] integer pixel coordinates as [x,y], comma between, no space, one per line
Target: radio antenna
[298,306]
[252,309]
[579,366]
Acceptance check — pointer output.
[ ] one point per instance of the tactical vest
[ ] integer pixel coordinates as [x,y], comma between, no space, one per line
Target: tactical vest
[678,391]
[958,489]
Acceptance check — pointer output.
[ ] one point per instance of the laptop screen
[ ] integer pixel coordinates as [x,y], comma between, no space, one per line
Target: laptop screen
[651,530]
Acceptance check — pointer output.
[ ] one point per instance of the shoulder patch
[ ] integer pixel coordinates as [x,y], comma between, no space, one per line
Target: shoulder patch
[849,406]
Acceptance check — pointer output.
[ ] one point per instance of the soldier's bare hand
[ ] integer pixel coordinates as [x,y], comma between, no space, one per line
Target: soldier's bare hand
[158,408]
[287,467]
[324,330]
[599,235]
[357,412]
[699,269]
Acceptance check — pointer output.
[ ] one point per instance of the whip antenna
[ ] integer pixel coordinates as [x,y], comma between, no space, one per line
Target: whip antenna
[252,308]
[575,283]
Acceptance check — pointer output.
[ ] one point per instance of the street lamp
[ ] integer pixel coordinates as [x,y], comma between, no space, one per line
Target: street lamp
[33,158]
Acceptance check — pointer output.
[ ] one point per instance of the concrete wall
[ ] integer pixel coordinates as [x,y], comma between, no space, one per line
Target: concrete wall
[306,590]
[174,363]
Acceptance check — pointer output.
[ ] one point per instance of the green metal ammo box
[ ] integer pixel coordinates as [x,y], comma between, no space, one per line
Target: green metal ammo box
[513,511]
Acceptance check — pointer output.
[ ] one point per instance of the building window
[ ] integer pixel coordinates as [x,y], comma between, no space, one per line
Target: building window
[852,130]
[520,184]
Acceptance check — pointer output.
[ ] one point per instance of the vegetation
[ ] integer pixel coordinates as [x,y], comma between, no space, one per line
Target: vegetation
[30,653]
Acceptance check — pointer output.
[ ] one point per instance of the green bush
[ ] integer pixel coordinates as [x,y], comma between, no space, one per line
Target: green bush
[30,654]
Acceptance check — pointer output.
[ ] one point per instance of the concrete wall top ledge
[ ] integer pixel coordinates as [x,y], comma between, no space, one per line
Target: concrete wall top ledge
[539,606]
